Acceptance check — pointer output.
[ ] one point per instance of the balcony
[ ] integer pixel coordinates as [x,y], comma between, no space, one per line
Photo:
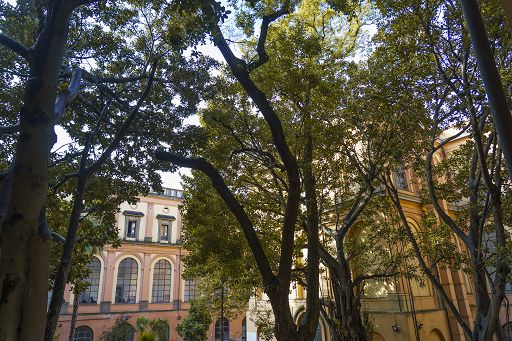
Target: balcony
[169,192]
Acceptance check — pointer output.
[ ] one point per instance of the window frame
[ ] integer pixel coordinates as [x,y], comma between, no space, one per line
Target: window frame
[83,337]
[225,325]
[129,281]
[189,290]
[157,282]
[128,221]
[98,284]
[161,223]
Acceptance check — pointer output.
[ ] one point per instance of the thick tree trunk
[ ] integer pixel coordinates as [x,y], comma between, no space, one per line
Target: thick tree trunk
[24,249]
[351,326]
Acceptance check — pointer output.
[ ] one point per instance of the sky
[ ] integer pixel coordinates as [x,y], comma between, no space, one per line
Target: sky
[171,180]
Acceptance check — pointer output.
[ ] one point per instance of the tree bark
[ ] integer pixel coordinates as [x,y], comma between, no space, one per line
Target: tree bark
[69,245]
[74,315]
[24,249]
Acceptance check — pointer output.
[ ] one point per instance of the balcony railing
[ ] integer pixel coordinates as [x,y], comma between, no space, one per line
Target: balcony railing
[169,192]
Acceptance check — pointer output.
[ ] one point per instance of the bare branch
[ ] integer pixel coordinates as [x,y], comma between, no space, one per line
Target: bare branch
[15,47]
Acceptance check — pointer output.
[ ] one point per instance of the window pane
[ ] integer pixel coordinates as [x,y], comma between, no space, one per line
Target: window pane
[400,179]
[507,330]
[90,295]
[244,329]
[131,229]
[162,274]
[83,333]
[165,231]
[218,336]
[190,290]
[126,288]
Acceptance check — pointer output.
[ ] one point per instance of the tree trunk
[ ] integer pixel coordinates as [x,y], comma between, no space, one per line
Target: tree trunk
[351,326]
[72,327]
[491,78]
[64,268]
[24,250]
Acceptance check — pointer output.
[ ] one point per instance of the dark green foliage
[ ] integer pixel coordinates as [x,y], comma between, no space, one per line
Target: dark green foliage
[195,325]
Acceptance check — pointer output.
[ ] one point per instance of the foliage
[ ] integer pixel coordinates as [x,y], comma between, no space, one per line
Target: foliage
[195,325]
[152,330]
[121,330]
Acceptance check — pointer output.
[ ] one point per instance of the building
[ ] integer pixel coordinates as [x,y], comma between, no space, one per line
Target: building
[140,278]
[404,309]
[143,278]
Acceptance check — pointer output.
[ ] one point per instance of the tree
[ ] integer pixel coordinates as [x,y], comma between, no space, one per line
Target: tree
[195,325]
[332,130]
[104,84]
[24,264]
[276,283]
[473,176]
[217,254]
[152,330]
[121,330]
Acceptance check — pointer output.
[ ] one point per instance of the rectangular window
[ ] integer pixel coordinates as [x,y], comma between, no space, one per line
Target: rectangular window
[190,290]
[131,228]
[164,235]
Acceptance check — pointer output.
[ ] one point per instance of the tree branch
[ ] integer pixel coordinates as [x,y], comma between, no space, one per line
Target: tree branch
[393,194]
[126,124]
[68,95]
[16,47]
[260,49]
[234,205]
[9,129]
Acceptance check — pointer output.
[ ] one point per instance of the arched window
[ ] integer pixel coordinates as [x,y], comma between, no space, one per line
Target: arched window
[507,331]
[83,333]
[244,329]
[90,295]
[125,332]
[162,273]
[218,330]
[126,287]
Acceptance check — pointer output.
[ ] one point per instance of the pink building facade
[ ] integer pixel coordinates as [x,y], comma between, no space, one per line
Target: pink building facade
[140,278]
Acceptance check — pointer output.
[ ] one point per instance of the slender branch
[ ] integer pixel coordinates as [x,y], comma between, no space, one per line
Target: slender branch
[362,278]
[10,129]
[16,47]
[260,49]
[393,194]
[126,125]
